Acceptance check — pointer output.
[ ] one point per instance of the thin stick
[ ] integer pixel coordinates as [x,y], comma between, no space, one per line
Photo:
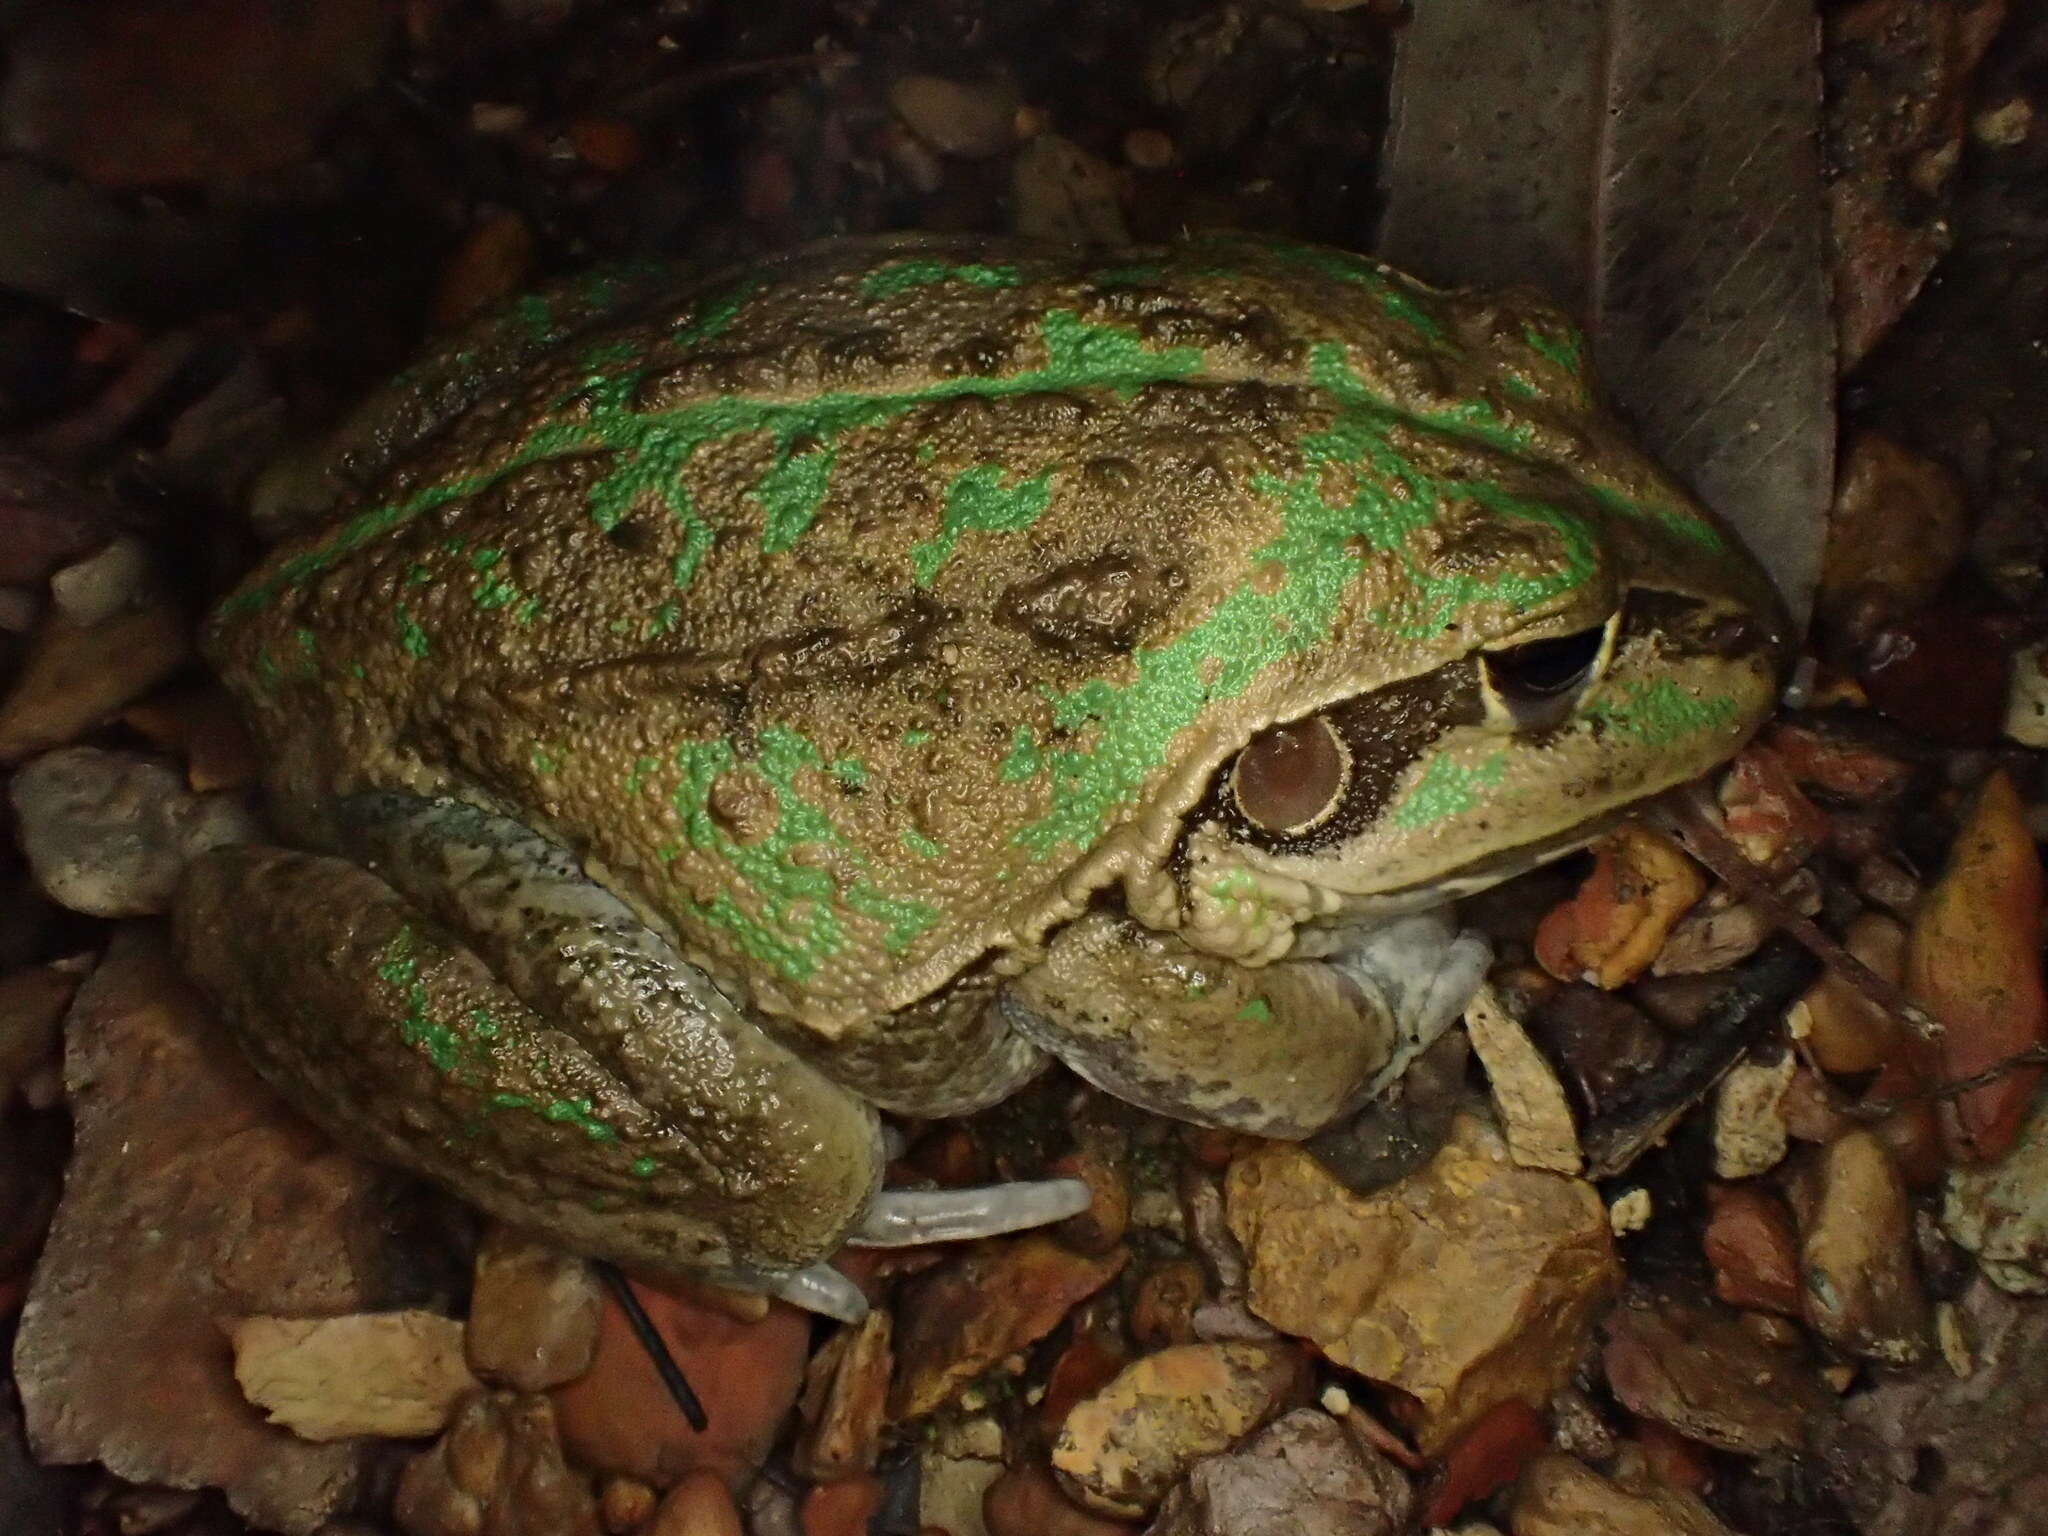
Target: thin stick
[656,1346]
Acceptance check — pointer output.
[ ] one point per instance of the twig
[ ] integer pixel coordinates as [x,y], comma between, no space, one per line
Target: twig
[656,1346]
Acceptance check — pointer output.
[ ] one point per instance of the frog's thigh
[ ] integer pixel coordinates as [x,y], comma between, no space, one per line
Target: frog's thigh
[1279,1050]
[949,1054]
[682,1141]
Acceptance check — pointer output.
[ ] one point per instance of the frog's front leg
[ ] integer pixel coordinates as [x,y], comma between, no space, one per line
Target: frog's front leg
[1279,1050]
[487,1015]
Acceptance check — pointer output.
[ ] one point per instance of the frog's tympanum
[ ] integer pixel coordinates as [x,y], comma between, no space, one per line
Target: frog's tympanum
[718,709]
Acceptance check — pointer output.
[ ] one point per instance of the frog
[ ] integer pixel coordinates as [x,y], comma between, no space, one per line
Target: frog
[714,720]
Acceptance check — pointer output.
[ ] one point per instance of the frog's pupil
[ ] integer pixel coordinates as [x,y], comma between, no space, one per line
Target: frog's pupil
[1544,669]
[1290,775]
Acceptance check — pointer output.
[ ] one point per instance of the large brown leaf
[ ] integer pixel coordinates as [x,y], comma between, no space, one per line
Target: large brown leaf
[1656,168]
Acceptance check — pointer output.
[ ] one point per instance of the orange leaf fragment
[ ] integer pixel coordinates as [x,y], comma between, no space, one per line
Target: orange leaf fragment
[1611,929]
[1973,960]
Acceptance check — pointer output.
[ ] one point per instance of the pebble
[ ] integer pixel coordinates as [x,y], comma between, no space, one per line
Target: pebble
[1897,529]
[699,1505]
[201,725]
[395,1374]
[1059,191]
[1304,1475]
[1856,1253]
[956,1321]
[1120,1450]
[1163,1310]
[1755,1253]
[493,263]
[1148,149]
[93,590]
[32,1004]
[968,122]
[952,1490]
[533,1313]
[1469,1281]
[2000,1212]
[1750,1131]
[1610,930]
[1847,1032]
[1485,1459]
[625,1504]
[843,1508]
[76,677]
[1560,1496]
[1700,1370]
[1534,1113]
[109,833]
[498,1471]
[1025,1501]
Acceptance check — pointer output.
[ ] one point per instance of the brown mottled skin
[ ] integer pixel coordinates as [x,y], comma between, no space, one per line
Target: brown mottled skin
[862,621]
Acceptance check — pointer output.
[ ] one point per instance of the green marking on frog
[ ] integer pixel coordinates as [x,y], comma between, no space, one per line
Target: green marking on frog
[664,619]
[651,447]
[644,1167]
[1255,1011]
[1564,347]
[1133,274]
[790,495]
[1405,301]
[924,847]
[1660,713]
[399,968]
[895,277]
[713,316]
[851,772]
[1446,789]
[915,738]
[1024,760]
[544,762]
[642,766]
[978,502]
[412,639]
[493,589]
[799,896]
[576,1112]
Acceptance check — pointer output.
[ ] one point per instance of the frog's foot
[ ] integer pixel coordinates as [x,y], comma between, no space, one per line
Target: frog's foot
[1278,1050]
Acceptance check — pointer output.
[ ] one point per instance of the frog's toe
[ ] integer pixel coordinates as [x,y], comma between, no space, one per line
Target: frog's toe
[904,1218]
[819,1288]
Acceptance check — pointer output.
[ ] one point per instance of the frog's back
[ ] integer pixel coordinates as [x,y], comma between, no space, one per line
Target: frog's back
[865,613]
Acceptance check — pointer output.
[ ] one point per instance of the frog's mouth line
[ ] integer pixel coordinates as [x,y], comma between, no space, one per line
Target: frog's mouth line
[1483,874]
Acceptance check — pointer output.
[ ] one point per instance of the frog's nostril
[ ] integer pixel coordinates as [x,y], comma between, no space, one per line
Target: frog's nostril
[1538,683]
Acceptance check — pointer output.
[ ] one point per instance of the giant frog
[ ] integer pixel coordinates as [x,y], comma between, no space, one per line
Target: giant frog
[715,710]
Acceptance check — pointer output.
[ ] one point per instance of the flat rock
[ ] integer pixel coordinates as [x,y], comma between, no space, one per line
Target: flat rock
[1303,1475]
[109,833]
[1121,1449]
[1468,1282]
[1561,1496]
[497,1471]
[194,1197]
[1696,1368]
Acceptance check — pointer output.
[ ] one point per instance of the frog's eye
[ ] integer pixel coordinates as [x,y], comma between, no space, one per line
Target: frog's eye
[1292,776]
[1535,686]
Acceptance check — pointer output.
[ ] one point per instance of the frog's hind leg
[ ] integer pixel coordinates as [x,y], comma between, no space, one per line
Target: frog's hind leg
[681,1137]
[1279,1050]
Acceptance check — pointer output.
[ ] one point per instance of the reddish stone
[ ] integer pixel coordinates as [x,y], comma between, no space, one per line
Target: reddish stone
[1485,1459]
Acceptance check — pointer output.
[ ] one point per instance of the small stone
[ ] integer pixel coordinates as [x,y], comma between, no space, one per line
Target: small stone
[1485,1459]
[1856,1253]
[1630,1212]
[966,121]
[1120,1450]
[845,1396]
[496,1471]
[1463,1284]
[1058,191]
[958,1320]
[1600,1043]
[608,144]
[1999,1212]
[1696,1368]
[625,1504]
[1847,1032]
[2005,125]
[1943,672]
[47,518]
[395,1374]
[74,678]
[109,833]
[1304,1475]
[952,1491]
[2026,700]
[699,1505]
[533,1313]
[1755,1253]
[93,590]
[1163,1311]
[1560,1496]
[1750,1133]
[1025,1501]
[200,725]
[1712,937]
[1099,1162]
[843,1508]
[1766,815]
